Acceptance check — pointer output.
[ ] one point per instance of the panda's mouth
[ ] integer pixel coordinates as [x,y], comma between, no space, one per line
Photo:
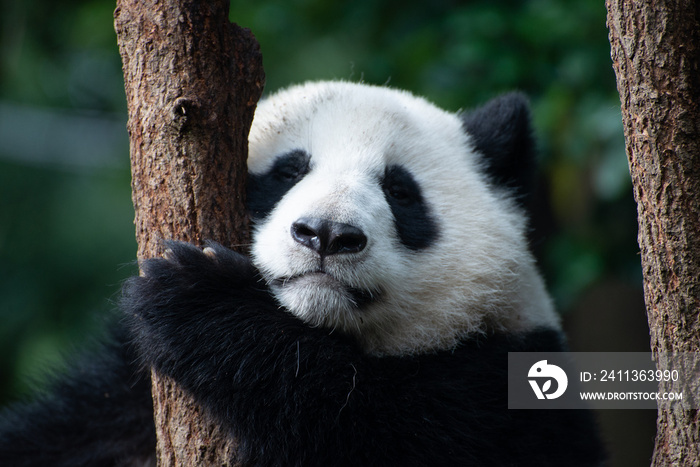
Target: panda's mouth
[321,279]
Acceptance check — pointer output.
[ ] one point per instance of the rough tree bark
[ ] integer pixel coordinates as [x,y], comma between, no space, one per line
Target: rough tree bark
[656,56]
[192,82]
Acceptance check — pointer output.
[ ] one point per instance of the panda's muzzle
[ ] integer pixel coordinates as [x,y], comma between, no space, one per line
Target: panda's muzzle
[327,237]
[322,279]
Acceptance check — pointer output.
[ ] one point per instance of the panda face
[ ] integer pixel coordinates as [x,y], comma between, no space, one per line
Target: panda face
[374,217]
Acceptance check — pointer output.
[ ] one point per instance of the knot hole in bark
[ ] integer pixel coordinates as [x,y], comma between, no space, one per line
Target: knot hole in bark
[184,112]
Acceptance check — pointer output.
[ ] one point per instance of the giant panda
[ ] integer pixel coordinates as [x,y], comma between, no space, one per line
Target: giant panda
[388,277]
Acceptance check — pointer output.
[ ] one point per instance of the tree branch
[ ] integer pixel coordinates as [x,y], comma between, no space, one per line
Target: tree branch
[656,56]
[192,81]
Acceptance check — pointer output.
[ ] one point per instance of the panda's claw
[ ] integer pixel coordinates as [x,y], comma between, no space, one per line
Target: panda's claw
[210,253]
[169,255]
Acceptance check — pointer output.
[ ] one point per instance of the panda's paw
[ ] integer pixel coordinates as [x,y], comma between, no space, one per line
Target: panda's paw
[185,255]
[213,263]
[188,295]
[190,280]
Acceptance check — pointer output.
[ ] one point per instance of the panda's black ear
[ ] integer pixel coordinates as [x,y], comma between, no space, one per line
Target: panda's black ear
[500,130]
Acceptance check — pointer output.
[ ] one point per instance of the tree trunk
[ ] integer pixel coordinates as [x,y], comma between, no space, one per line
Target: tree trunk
[656,56]
[192,82]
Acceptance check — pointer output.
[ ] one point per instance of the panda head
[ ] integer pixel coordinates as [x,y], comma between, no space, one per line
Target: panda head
[383,217]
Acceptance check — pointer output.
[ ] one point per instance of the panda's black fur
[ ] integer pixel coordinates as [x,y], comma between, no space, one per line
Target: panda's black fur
[510,150]
[296,394]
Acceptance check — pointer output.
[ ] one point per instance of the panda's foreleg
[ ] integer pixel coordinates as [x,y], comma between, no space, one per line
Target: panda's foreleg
[98,413]
[290,393]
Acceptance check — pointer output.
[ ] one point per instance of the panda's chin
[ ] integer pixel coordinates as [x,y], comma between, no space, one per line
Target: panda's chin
[321,299]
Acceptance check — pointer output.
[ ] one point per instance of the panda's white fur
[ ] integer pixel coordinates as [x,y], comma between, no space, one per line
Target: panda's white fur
[477,275]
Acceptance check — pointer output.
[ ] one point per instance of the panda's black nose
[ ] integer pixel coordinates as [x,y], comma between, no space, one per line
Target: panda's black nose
[326,237]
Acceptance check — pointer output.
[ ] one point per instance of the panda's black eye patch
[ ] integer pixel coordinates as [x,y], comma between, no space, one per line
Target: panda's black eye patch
[414,223]
[399,186]
[265,190]
[290,167]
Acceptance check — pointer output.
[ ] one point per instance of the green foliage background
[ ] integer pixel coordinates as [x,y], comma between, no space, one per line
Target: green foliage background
[66,232]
